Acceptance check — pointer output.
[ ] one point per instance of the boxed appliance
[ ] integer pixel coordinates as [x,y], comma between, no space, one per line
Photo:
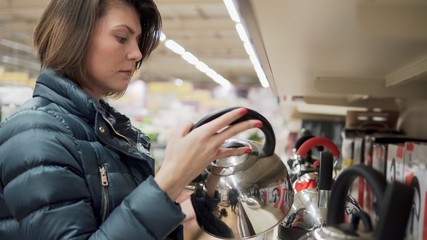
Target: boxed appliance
[417,225]
[395,165]
[415,158]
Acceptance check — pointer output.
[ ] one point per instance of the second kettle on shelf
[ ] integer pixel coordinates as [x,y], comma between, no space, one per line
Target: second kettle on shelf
[393,206]
[312,186]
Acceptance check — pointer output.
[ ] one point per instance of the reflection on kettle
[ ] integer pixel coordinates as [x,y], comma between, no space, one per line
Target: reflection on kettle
[254,189]
[207,215]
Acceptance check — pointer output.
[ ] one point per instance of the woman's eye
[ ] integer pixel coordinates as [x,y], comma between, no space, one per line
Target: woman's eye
[121,39]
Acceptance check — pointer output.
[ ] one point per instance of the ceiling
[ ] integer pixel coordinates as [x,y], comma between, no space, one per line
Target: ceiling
[202,27]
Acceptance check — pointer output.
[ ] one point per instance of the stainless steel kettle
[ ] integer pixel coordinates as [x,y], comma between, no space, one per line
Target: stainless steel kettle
[312,190]
[393,203]
[243,196]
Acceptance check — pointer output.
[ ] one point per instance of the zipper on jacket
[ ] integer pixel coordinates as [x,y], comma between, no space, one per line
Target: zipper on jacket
[115,131]
[104,185]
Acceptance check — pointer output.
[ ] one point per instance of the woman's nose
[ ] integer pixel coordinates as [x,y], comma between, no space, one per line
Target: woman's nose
[135,53]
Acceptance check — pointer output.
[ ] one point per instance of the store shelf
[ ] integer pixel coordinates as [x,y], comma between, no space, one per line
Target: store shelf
[341,48]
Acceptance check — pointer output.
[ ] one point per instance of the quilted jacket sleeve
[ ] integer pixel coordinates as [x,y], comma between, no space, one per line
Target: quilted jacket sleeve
[45,190]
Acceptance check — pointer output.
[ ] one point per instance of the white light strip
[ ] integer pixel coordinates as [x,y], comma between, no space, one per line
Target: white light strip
[190,58]
[242,33]
[229,4]
[175,47]
[202,67]
[193,60]
[232,10]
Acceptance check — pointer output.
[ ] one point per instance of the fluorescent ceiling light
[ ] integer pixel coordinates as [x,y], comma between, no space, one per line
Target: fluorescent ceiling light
[190,58]
[247,43]
[175,47]
[242,33]
[202,67]
[232,10]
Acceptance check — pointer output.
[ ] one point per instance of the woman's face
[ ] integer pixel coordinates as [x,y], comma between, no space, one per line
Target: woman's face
[113,51]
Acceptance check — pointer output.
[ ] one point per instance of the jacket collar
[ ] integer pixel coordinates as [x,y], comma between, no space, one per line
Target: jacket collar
[67,94]
[62,91]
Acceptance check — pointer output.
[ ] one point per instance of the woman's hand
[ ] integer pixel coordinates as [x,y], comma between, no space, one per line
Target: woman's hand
[188,153]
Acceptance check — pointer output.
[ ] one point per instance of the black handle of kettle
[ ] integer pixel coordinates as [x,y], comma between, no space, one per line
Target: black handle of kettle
[270,138]
[326,171]
[396,200]
[395,212]
[336,205]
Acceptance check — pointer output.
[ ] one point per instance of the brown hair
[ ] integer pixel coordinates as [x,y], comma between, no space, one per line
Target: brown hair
[64,30]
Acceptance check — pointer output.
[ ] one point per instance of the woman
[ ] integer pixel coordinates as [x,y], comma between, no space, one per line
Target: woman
[71,166]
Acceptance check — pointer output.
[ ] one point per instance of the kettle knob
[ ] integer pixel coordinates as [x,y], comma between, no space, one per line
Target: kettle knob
[270,139]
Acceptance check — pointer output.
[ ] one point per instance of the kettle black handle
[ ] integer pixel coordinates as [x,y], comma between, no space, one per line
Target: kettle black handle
[336,205]
[326,171]
[395,211]
[270,139]
[396,200]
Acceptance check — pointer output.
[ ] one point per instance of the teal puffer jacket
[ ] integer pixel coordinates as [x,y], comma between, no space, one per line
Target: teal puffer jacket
[74,168]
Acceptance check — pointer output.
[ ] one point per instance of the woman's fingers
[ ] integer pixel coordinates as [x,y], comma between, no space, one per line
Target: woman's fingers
[223,121]
[186,129]
[236,129]
[188,153]
[218,130]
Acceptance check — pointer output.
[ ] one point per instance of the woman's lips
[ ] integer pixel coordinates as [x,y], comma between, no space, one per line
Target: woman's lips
[127,72]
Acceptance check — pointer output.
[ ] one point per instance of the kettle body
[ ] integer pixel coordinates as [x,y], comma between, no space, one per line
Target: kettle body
[240,197]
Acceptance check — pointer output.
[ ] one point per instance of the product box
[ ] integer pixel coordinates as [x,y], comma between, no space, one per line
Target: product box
[415,174]
[417,224]
[379,157]
[379,148]
[415,158]
[395,164]
[358,187]
[367,191]
[376,156]
[347,148]
[376,148]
